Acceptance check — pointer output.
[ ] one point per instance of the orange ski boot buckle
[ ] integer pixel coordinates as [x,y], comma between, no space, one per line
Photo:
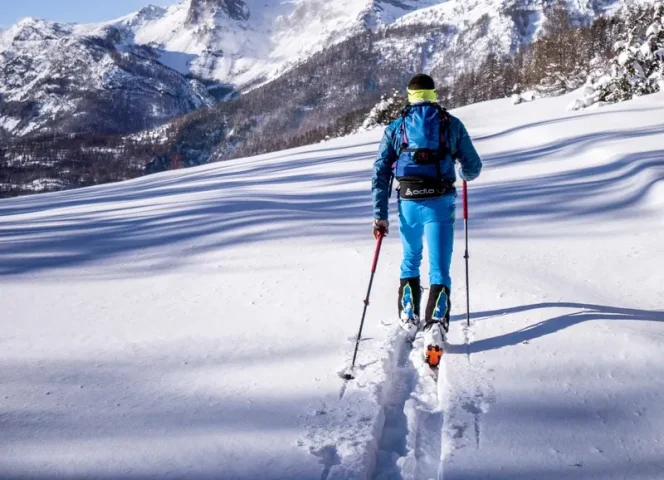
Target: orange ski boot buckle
[434,354]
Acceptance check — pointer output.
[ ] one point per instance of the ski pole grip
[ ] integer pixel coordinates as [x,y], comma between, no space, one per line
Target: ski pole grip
[379,243]
[465,200]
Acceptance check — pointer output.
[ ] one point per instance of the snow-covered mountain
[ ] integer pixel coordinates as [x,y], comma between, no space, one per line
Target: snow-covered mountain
[242,42]
[56,77]
[245,42]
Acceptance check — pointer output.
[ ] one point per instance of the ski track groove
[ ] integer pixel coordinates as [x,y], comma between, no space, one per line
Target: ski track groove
[329,457]
[400,382]
[471,396]
[473,407]
[410,446]
[421,421]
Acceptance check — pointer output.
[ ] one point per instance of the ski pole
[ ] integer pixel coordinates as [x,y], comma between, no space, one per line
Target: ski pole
[467,255]
[379,243]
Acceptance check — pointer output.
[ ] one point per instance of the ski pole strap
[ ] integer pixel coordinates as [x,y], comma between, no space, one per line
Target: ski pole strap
[465,200]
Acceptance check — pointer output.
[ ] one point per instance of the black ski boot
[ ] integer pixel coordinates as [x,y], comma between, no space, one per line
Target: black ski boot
[410,296]
[437,316]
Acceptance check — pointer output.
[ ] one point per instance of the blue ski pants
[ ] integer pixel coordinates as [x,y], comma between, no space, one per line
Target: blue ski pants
[433,219]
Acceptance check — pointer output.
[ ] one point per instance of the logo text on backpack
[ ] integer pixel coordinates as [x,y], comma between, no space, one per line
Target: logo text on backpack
[424,191]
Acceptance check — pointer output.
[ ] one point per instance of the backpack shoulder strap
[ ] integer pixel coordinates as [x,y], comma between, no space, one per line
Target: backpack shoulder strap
[404,137]
[445,122]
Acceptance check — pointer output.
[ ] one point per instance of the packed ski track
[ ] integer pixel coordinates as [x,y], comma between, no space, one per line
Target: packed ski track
[196,323]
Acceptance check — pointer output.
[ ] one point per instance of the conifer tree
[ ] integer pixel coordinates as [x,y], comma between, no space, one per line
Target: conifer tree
[386,111]
[638,66]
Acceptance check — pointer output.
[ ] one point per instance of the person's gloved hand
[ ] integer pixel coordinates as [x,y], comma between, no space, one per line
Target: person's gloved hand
[380,226]
[462,176]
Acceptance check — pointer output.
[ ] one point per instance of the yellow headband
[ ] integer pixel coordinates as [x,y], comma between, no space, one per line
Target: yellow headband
[415,96]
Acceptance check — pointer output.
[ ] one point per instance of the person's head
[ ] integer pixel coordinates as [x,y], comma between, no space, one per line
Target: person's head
[421,88]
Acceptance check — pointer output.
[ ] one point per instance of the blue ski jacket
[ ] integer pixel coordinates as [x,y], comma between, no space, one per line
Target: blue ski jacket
[457,140]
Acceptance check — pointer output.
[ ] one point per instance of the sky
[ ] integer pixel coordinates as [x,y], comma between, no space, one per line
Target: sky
[83,11]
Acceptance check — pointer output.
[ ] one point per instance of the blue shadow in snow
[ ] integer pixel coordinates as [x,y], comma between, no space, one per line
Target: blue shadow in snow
[166,217]
[125,400]
[588,312]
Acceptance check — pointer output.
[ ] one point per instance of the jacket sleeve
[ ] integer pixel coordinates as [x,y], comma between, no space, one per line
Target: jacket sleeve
[471,164]
[382,173]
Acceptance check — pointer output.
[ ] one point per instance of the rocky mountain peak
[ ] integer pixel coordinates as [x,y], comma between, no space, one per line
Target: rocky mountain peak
[151,12]
[200,9]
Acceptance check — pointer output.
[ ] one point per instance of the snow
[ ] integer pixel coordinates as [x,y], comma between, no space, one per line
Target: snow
[157,135]
[653,29]
[9,123]
[623,58]
[43,184]
[193,323]
[646,51]
[178,61]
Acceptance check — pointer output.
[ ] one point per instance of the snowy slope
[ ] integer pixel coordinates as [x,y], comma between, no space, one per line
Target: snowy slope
[194,322]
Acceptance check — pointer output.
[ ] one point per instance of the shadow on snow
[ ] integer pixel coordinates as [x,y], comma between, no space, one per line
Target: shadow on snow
[588,312]
[61,405]
[233,210]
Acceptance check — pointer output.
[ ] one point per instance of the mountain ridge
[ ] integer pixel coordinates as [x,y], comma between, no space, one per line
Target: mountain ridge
[249,42]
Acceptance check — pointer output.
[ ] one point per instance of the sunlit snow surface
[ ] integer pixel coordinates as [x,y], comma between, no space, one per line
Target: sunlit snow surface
[193,323]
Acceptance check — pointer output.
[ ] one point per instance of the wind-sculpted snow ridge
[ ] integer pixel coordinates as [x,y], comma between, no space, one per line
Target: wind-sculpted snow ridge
[194,323]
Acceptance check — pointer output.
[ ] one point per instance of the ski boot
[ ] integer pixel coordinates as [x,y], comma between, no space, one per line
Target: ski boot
[410,295]
[437,317]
